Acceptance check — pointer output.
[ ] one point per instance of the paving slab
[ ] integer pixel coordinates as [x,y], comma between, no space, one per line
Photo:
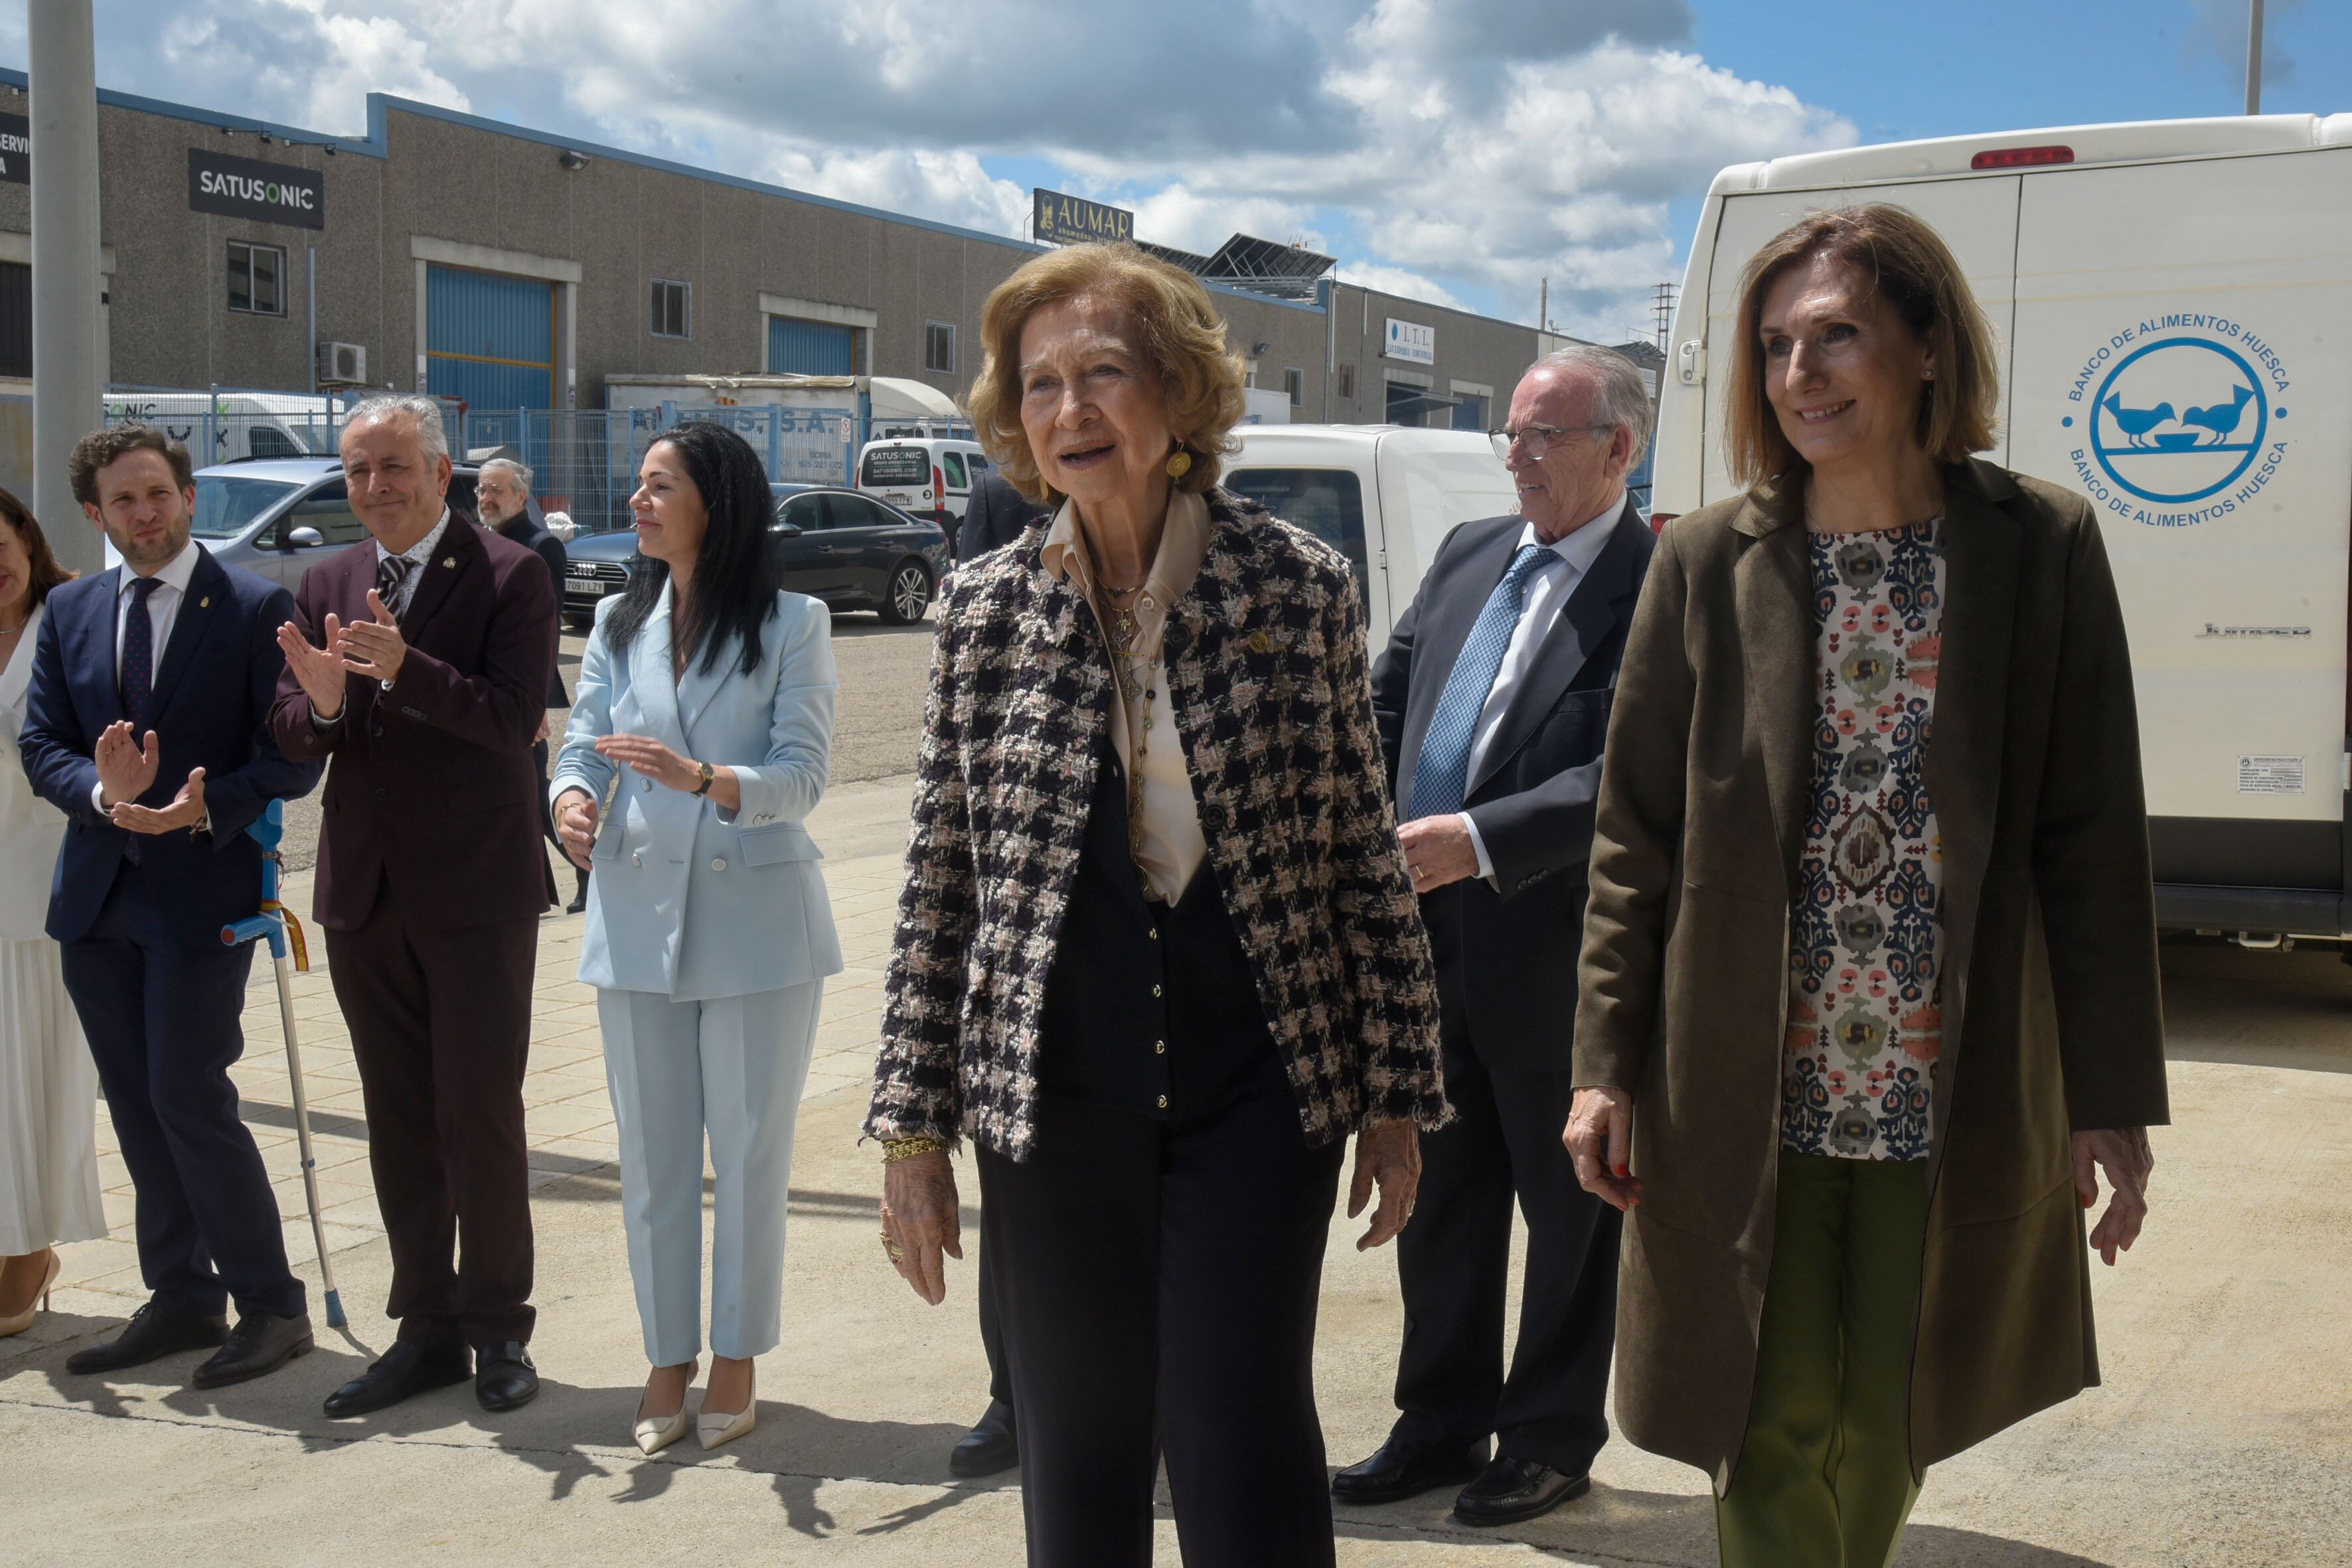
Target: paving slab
[2223,1436]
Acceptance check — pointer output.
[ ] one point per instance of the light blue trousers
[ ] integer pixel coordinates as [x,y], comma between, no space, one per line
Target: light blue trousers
[731,1068]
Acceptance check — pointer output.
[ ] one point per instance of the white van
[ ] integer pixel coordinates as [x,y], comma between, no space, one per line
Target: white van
[1385,495]
[2173,302]
[228,427]
[930,476]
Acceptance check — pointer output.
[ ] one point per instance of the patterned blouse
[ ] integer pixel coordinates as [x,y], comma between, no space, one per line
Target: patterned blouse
[1865,976]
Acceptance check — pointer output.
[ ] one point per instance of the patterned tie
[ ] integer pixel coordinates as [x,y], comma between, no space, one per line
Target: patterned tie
[1441,777]
[391,573]
[138,663]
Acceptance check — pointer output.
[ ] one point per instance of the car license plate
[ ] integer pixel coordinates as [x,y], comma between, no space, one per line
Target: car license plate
[589,587]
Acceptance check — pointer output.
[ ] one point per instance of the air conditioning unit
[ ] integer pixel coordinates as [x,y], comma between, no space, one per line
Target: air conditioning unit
[342,364]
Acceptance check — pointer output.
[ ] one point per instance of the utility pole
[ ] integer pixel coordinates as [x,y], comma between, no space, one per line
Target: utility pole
[2254,57]
[69,381]
[1662,303]
[1543,306]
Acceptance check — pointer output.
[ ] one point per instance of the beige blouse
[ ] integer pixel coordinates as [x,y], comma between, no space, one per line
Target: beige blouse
[1163,823]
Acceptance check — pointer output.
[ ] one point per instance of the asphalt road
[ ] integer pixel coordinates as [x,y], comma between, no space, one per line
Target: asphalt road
[877,721]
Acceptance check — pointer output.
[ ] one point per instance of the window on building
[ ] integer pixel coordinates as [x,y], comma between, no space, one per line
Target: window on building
[257,279]
[1469,411]
[673,316]
[939,347]
[1294,383]
[1347,382]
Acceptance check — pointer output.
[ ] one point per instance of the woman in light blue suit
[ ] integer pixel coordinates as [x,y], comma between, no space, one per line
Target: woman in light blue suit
[704,714]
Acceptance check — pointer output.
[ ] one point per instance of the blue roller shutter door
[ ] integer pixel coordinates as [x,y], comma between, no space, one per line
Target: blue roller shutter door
[810,348]
[489,338]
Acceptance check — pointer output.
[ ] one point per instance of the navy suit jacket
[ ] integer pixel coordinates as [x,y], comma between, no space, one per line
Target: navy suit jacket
[1533,794]
[994,517]
[212,694]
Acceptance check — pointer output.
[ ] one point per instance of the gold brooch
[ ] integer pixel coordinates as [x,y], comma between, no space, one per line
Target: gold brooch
[448,561]
[206,603]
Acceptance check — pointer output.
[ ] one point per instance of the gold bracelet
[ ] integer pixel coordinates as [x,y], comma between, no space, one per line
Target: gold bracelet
[896,1149]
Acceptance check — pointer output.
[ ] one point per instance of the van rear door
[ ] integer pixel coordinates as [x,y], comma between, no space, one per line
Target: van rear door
[2181,330]
[1977,218]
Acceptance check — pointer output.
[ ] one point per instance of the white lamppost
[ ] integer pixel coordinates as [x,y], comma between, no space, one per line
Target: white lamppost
[68,381]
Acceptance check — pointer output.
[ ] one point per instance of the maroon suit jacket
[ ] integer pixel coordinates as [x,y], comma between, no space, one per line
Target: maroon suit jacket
[431,790]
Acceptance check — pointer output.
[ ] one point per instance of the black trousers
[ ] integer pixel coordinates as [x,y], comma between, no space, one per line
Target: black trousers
[440,1023]
[1453,1261]
[162,1023]
[1156,1284]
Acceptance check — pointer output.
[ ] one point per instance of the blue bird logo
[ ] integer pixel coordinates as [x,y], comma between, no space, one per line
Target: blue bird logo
[2136,423]
[2221,418]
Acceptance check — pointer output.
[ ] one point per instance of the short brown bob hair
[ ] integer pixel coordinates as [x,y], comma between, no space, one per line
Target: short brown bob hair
[1184,342]
[101,447]
[46,573]
[1913,272]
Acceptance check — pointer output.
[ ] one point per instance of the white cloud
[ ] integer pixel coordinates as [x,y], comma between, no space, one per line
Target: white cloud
[1458,151]
[1396,280]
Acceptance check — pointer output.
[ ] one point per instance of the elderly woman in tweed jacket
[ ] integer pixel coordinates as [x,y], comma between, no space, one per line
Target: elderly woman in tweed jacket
[1157,954]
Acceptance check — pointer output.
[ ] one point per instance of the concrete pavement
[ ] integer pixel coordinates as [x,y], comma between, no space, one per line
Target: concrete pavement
[2224,1435]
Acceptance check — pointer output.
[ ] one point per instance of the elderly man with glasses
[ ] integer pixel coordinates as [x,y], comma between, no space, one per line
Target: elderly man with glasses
[1492,702]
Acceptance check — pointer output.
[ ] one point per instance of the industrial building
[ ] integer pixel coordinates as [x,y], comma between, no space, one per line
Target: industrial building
[511,268]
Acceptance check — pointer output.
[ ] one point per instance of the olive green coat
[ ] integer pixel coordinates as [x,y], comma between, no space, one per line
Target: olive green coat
[2052,1020]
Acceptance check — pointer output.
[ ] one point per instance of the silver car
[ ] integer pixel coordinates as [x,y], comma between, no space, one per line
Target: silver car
[274,516]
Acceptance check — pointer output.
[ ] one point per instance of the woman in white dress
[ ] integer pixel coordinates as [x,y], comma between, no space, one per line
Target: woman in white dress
[49,1089]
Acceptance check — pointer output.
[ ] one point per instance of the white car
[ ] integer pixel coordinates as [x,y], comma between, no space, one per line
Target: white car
[930,476]
[2171,303]
[1386,495]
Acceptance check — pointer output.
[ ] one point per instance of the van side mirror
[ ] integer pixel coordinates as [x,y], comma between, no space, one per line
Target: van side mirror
[783,529]
[305,538]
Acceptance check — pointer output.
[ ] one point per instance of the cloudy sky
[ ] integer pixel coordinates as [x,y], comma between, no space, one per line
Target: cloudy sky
[1461,150]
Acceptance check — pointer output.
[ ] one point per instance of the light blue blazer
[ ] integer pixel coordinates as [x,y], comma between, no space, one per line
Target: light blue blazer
[687,900]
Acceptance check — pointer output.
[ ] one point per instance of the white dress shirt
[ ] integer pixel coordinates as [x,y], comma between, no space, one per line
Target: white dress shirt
[162,615]
[421,555]
[1548,593]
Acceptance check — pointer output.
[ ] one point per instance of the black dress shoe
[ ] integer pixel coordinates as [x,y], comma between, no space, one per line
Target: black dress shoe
[504,1378]
[1512,1490]
[579,903]
[988,1449]
[153,1332]
[258,1345]
[406,1369]
[1402,1469]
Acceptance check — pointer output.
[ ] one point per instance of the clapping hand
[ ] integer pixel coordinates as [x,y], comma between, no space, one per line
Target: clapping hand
[125,771]
[187,810]
[320,670]
[374,648]
[651,758]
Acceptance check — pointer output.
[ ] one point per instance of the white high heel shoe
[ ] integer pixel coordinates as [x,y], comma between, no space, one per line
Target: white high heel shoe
[711,1428]
[654,1433]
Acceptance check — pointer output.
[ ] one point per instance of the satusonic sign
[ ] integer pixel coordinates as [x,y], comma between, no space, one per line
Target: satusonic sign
[16,149]
[244,187]
[1073,220]
[1411,340]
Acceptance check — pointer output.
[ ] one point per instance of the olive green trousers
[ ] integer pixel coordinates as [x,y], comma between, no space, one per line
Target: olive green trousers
[1824,1475]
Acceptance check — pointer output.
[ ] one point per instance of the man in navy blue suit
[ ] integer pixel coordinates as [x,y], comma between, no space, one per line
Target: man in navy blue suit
[148,725]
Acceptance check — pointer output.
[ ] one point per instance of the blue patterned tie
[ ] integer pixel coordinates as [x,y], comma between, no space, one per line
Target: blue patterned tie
[1441,777]
[138,664]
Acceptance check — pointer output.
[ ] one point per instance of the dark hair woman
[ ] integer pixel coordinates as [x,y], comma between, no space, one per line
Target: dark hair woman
[1869,981]
[48,1087]
[1157,953]
[706,697]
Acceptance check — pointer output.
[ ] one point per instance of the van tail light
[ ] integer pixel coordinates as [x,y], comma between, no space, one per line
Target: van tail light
[1658,521]
[2021,157]
[940,489]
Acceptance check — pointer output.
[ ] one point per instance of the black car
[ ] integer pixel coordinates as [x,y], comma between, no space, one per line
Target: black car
[850,550]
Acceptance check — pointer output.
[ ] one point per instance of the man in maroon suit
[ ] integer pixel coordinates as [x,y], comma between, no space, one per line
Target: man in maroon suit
[418,662]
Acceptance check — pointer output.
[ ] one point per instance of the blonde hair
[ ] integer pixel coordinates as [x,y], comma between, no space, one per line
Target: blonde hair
[1183,340]
[1910,269]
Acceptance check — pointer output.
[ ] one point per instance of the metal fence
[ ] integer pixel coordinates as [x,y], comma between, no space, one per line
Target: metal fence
[583,461]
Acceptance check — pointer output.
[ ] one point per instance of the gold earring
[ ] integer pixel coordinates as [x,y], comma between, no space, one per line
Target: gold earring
[1179,463]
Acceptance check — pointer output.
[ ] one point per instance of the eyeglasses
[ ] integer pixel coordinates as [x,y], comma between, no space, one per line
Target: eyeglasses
[1536,438]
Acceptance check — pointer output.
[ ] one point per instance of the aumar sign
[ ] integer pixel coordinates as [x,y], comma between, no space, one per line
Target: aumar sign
[248,188]
[1411,342]
[1073,220]
[2178,418]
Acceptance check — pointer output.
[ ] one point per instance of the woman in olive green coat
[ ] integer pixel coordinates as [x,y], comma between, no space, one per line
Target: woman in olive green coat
[1869,981]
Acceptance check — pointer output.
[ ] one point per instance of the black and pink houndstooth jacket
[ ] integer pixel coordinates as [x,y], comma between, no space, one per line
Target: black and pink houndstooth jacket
[1267,671]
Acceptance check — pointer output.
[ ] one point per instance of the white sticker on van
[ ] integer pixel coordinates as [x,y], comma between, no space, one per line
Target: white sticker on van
[2178,418]
[2270,775]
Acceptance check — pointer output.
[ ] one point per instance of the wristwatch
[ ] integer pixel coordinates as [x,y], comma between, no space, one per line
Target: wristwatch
[709,773]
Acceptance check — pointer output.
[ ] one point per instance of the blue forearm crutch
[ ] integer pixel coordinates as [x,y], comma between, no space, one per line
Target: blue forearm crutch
[270,925]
